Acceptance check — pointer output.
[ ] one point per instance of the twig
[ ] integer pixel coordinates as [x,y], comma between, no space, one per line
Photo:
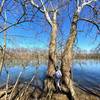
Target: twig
[27,86]
[1,6]
[6,92]
[15,86]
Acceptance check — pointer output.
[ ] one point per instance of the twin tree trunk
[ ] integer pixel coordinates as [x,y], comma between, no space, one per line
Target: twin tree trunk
[67,57]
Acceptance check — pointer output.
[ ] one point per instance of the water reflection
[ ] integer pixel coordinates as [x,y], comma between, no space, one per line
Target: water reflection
[85,73]
[27,73]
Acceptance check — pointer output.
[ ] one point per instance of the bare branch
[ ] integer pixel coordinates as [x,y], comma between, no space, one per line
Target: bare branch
[92,22]
[24,11]
[14,87]
[46,13]
[43,11]
[94,9]
[84,3]
[37,6]
[2,4]
[14,24]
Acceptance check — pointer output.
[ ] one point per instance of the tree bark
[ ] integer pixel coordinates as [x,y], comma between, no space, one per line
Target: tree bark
[3,50]
[52,55]
[67,58]
[52,51]
[49,82]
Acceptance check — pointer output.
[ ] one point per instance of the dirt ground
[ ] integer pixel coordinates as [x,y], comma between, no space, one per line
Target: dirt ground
[24,92]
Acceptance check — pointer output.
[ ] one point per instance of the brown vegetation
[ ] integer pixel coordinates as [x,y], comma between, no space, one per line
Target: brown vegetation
[24,56]
[38,56]
[32,93]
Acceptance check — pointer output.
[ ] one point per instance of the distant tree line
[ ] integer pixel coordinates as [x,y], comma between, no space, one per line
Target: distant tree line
[38,56]
[24,56]
[87,56]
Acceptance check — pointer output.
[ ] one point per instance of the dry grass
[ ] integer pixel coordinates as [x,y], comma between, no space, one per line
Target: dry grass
[27,92]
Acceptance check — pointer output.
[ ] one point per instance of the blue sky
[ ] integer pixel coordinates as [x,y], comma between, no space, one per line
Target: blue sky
[37,35]
[22,37]
[33,37]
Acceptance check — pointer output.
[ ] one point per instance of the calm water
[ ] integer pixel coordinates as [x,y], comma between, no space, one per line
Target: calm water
[85,73]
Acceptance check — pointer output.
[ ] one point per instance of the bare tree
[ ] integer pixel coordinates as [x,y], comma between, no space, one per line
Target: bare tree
[52,46]
[20,18]
[67,55]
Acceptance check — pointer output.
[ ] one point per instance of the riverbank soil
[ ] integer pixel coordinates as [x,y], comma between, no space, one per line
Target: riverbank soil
[25,92]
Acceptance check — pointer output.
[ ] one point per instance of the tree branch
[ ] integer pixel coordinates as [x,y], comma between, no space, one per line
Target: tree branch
[84,3]
[2,4]
[94,9]
[37,6]
[17,23]
[46,13]
[92,22]
[43,11]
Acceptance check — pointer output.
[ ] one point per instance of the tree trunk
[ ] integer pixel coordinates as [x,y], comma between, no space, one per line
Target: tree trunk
[2,59]
[67,58]
[52,51]
[49,82]
[3,50]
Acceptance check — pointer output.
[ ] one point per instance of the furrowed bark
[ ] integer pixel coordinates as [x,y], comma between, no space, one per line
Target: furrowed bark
[49,82]
[68,51]
[67,58]
[52,51]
